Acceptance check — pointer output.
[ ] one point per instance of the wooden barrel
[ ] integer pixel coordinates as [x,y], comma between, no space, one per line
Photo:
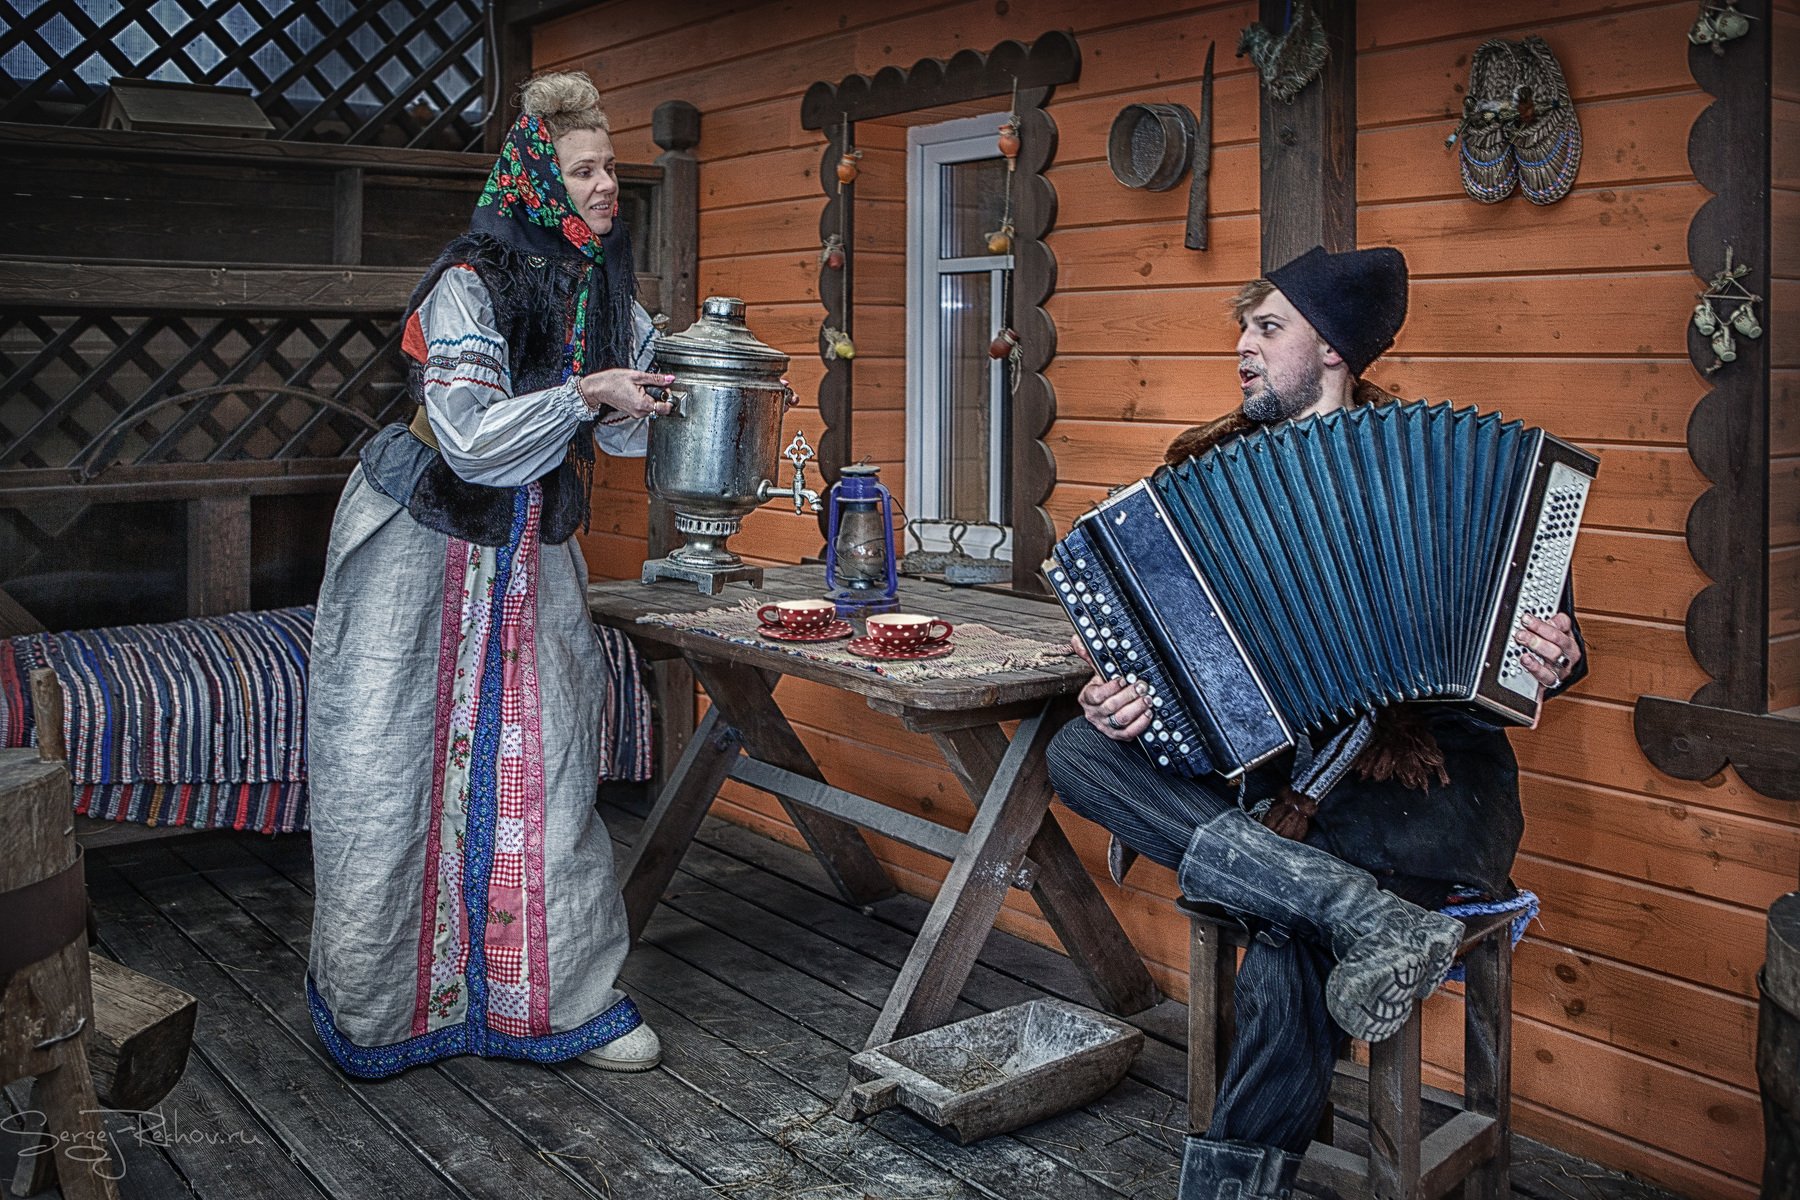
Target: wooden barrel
[1778,1051]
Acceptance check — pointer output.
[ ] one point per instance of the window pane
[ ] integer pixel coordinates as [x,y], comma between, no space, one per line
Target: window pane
[974,202]
[967,393]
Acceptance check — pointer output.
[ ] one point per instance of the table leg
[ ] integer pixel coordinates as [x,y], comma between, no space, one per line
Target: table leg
[1064,891]
[672,823]
[746,698]
[969,900]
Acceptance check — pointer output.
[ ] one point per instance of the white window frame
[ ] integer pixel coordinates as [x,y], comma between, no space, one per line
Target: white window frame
[929,147]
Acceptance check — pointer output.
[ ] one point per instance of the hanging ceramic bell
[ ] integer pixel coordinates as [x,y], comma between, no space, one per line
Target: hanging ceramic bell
[1705,320]
[1744,321]
[1724,345]
[846,166]
[832,256]
[1004,343]
[1000,240]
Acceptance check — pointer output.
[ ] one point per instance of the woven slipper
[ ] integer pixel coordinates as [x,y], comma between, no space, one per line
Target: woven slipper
[1489,169]
[1548,145]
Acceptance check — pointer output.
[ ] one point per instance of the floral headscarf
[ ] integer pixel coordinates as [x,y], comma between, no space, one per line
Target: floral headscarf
[526,205]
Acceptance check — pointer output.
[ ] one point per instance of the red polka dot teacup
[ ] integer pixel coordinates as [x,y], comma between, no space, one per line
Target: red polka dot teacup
[798,616]
[908,631]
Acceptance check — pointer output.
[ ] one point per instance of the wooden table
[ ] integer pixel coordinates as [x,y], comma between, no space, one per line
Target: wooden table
[1013,841]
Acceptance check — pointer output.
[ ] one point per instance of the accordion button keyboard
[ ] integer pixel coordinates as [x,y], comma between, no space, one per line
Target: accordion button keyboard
[1121,650]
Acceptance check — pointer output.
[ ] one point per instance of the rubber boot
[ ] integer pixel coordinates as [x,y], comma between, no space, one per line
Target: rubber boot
[1389,952]
[1221,1170]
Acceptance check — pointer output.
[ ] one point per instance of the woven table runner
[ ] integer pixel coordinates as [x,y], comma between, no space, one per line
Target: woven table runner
[980,650]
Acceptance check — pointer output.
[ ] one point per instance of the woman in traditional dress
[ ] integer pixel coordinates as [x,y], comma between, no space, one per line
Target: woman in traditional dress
[466,897]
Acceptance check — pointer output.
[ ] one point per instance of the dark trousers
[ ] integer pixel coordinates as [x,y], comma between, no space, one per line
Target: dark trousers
[1277,1078]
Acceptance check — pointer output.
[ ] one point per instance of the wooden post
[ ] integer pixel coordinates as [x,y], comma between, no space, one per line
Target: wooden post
[1487,1056]
[218,573]
[48,1001]
[47,715]
[1309,146]
[347,216]
[1778,1050]
[675,125]
[1394,1102]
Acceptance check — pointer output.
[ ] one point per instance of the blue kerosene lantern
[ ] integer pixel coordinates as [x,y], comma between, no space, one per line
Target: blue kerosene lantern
[859,549]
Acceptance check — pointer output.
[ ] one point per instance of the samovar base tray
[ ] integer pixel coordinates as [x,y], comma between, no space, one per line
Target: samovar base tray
[709,580]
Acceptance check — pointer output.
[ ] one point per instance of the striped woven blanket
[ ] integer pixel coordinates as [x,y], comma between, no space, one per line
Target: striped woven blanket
[203,722]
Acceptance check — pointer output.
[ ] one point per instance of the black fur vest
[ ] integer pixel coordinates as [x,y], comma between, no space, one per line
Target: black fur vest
[534,301]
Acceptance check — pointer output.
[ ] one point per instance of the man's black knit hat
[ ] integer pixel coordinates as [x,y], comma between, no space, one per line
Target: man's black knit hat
[1356,300]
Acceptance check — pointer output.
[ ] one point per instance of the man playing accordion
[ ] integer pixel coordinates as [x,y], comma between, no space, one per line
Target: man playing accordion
[1337,858]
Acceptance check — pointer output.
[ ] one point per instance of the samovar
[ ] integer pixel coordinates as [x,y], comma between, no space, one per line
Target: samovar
[711,457]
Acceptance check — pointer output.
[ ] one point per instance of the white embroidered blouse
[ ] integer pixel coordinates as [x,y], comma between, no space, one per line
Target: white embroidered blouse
[487,434]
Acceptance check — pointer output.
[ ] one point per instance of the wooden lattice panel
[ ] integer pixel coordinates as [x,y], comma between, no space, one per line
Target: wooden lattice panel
[397,73]
[90,391]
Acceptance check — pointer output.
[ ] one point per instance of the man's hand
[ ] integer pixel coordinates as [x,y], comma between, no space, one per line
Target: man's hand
[1291,815]
[1551,650]
[1114,707]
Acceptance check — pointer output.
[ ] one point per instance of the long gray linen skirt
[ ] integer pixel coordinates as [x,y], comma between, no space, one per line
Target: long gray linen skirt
[466,901]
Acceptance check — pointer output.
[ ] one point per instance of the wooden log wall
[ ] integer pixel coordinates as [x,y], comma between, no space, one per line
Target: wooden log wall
[1636,990]
[1784,365]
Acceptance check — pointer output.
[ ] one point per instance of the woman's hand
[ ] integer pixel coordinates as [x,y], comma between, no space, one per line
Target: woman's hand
[624,390]
[1114,707]
[1551,650]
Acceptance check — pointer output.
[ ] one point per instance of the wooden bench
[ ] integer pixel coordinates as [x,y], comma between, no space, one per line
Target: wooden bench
[1471,1149]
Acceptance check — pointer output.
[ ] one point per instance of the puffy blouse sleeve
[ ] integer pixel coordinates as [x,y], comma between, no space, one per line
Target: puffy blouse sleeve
[486,434]
[621,434]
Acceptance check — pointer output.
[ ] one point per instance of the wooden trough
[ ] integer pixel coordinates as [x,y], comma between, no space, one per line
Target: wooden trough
[999,1071]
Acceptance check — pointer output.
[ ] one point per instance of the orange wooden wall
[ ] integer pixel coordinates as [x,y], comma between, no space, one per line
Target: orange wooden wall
[1635,992]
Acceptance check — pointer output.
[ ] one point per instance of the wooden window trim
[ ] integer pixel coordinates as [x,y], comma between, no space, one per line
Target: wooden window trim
[1727,721]
[1034,70]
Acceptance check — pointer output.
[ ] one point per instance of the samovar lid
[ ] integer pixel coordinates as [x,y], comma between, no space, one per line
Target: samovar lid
[720,340]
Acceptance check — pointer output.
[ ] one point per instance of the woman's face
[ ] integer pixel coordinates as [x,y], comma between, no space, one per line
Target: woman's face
[585,157]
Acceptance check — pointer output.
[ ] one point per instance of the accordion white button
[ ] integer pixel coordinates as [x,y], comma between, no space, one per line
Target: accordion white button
[1162,760]
[1156,723]
[1106,608]
[1131,654]
[1184,747]
[1131,677]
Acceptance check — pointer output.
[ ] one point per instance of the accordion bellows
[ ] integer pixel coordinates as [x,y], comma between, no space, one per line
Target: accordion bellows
[1302,574]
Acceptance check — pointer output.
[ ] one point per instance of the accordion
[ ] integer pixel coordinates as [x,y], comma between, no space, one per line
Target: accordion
[1306,573]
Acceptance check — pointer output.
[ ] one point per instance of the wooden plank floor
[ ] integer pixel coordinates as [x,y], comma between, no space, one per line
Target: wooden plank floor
[758,979]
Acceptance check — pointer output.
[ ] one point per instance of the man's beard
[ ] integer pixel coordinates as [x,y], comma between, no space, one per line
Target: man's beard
[1270,404]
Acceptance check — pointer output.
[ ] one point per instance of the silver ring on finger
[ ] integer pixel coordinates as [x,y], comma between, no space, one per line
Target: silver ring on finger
[1111,723]
[1562,662]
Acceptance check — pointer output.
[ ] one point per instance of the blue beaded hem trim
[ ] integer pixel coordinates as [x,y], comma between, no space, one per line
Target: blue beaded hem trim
[378,1062]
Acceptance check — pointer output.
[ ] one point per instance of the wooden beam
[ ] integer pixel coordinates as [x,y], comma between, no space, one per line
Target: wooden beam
[112,144]
[1309,146]
[218,568]
[1730,151]
[177,481]
[15,618]
[46,285]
